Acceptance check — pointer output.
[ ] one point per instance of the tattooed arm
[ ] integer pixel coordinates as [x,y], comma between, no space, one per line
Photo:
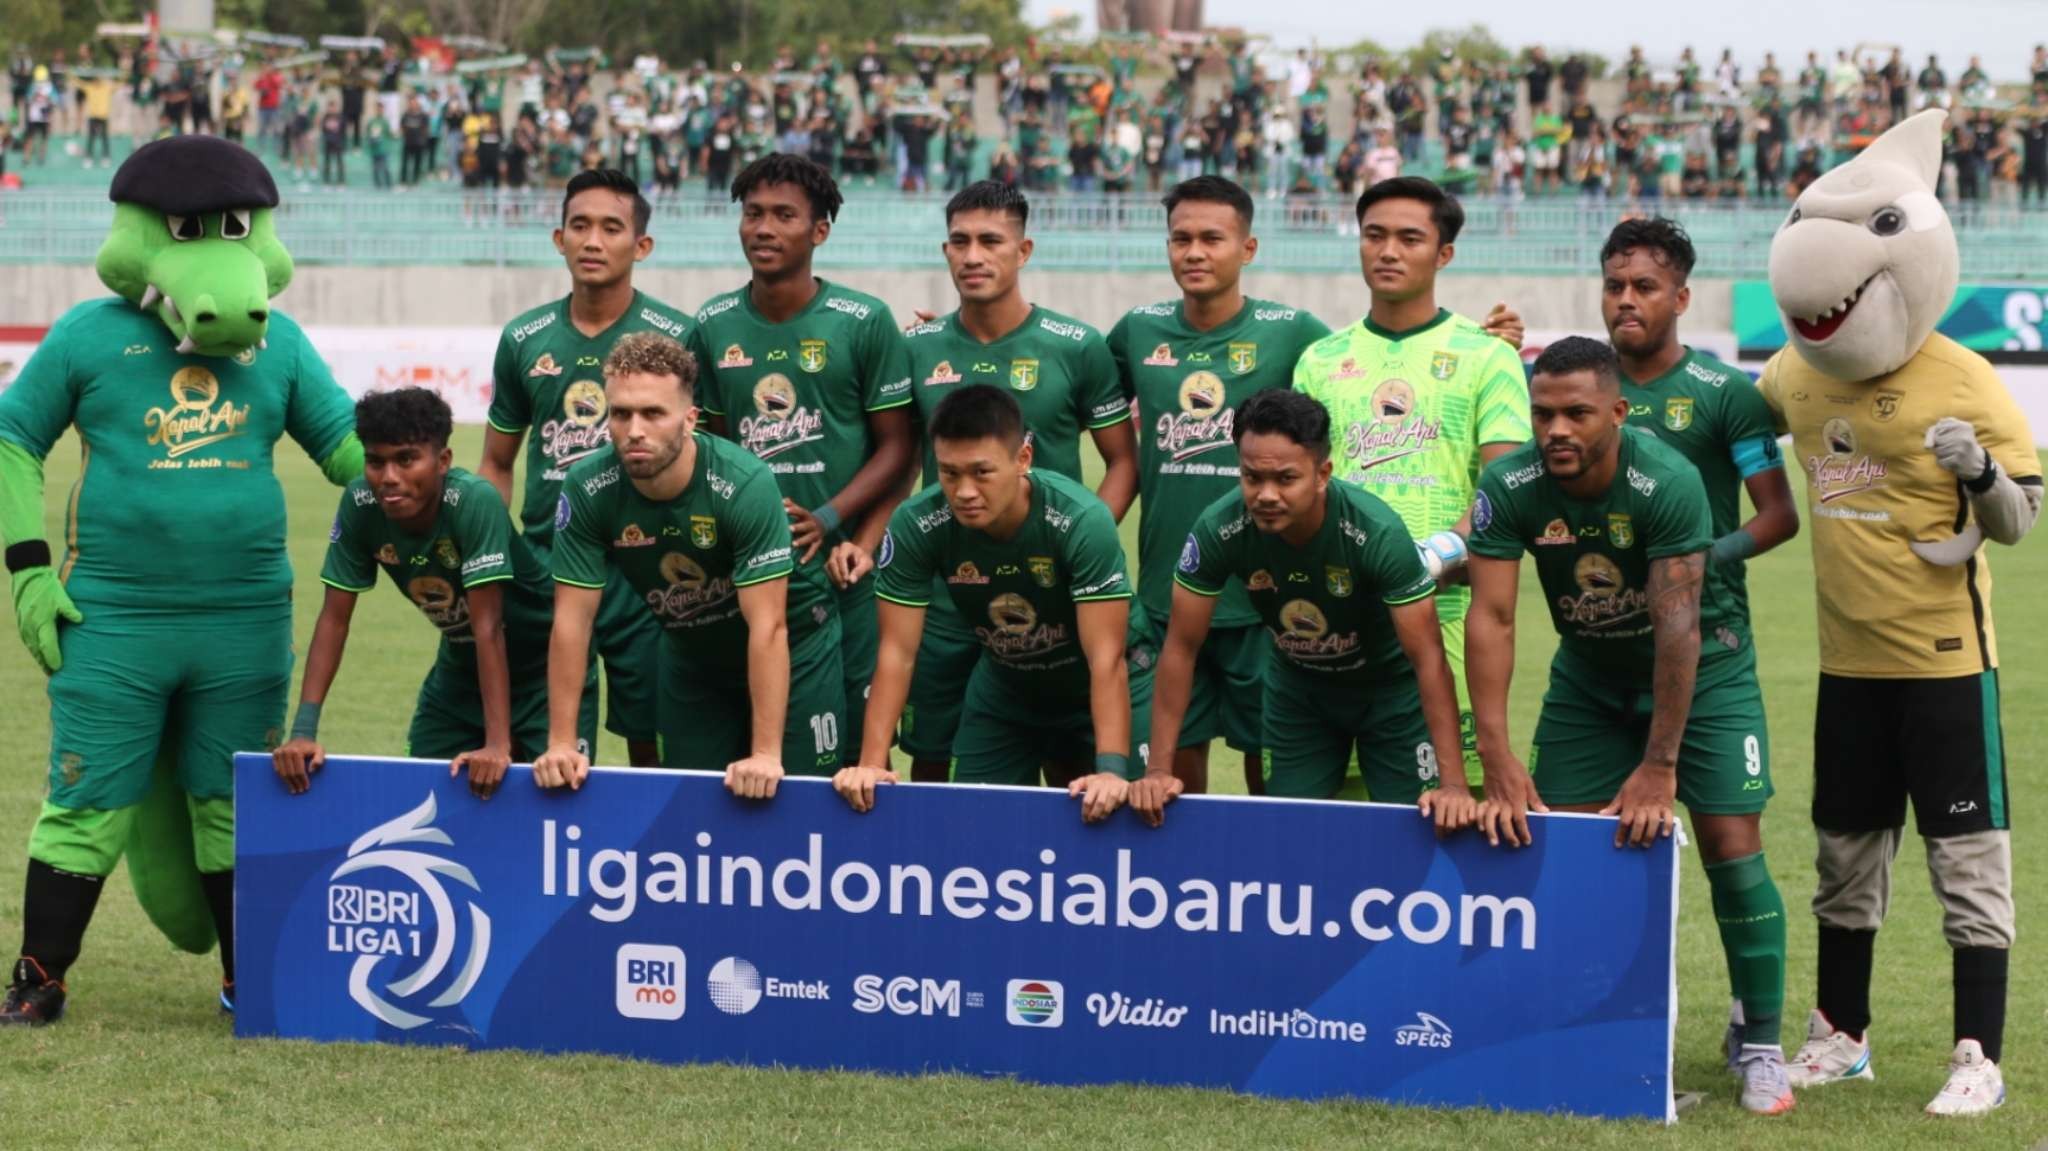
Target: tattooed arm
[1644,802]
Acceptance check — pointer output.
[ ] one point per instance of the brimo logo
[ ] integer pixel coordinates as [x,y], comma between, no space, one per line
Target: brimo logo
[375,922]
[650,981]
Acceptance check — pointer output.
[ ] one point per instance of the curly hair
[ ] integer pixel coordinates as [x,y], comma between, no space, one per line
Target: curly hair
[817,184]
[1663,238]
[404,416]
[652,354]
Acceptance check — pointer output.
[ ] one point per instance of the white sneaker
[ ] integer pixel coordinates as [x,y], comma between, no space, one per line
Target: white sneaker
[1974,1085]
[1828,1056]
[1766,1089]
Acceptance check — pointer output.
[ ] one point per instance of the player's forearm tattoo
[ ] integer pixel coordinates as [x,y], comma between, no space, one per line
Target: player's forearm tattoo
[1675,625]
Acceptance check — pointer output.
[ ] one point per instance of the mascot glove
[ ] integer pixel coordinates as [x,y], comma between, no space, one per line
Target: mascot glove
[1955,447]
[39,599]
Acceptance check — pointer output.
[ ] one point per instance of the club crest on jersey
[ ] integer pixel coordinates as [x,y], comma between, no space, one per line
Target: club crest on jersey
[1023,374]
[545,366]
[943,374]
[1621,531]
[1041,569]
[1557,533]
[1243,358]
[1162,357]
[246,356]
[1885,405]
[735,357]
[1678,413]
[444,550]
[810,355]
[1338,580]
[703,531]
[1442,366]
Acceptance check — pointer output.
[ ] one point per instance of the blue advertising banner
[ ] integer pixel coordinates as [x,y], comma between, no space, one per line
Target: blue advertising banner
[1268,946]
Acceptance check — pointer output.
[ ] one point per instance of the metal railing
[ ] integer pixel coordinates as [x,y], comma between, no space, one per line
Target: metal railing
[1073,232]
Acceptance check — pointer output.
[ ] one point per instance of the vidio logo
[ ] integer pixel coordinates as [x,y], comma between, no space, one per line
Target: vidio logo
[376,922]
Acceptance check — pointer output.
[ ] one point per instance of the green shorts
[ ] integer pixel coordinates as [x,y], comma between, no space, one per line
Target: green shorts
[860,636]
[1468,731]
[628,639]
[1311,728]
[1230,676]
[1008,733]
[448,718]
[1592,732]
[707,718]
[209,684]
[945,659]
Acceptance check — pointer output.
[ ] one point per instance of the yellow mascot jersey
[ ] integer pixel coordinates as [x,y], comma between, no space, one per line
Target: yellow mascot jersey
[1873,486]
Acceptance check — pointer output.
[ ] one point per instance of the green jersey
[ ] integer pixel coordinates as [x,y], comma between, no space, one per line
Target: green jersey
[471,543]
[689,556]
[1410,410]
[177,503]
[797,394]
[1326,602]
[1716,418]
[1593,557]
[548,379]
[1188,385]
[1017,594]
[1057,369]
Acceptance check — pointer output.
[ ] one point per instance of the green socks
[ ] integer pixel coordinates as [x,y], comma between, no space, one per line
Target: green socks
[1751,915]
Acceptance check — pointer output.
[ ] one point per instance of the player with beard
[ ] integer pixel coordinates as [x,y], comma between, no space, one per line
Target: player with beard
[813,378]
[1059,371]
[546,380]
[1715,417]
[750,680]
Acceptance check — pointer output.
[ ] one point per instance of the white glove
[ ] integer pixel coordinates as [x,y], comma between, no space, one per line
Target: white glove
[1442,552]
[1955,447]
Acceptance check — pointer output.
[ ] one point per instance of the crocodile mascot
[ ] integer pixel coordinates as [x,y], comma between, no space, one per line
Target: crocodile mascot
[165,626]
[1915,455]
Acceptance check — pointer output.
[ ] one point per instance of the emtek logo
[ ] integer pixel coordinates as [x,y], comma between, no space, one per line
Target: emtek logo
[650,981]
[1426,1031]
[906,996]
[1035,1003]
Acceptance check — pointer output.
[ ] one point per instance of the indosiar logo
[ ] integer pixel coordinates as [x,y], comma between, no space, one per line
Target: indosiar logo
[398,907]
[1035,1003]
[650,981]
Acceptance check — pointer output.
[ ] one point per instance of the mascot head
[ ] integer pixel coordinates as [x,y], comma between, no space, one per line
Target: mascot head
[194,242]
[1866,263]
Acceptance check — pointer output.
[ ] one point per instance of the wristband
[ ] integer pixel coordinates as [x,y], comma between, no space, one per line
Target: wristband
[827,517]
[1736,545]
[1112,763]
[28,554]
[306,723]
[1977,487]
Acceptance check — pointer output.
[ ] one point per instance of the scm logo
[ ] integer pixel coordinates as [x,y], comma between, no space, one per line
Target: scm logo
[650,981]
[904,995]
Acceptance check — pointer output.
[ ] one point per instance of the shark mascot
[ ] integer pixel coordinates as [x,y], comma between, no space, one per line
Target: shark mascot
[1915,455]
[165,624]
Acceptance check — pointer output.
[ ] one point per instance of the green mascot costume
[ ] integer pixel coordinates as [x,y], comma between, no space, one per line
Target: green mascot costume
[166,628]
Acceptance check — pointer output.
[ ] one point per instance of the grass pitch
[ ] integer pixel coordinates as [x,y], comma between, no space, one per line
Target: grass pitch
[144,1059]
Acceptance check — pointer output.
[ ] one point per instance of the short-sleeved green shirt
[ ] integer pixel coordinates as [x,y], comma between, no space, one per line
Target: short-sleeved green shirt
[1593,557]
[797,394]
[177,503]
[689,556]
[1409,411]
[1714,415]
[548,379]
[1058,370]
[1188,385]
[1324,603]
[1017,595]
[470,544]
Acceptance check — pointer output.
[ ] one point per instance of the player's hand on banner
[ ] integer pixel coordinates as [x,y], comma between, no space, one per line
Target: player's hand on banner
[39,602]
[1100,795]
[1505,324]
[487,766]
[754,777]
[1510,797]
[1453,807]
[561,765]
[296,760]
[806,534]
[1644,805]
[1955,447]
[856,785]
[1150,795]
[846,563]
